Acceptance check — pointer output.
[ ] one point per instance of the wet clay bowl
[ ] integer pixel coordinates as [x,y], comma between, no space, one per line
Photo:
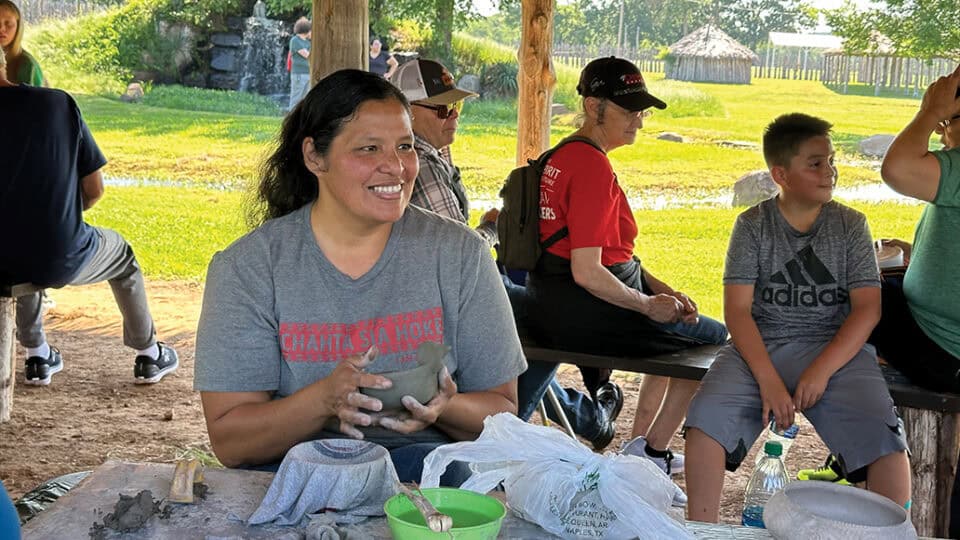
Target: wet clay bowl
[475,516]
[825,510]
[421,381]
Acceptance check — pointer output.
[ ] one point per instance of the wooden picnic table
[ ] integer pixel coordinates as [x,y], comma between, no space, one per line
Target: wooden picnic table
[232,497]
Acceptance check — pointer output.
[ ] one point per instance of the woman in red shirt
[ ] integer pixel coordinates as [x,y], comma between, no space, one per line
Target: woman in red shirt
[590,293]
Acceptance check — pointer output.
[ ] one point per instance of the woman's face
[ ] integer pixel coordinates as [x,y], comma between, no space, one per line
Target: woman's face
[368,173]
[8,27]
[375,46]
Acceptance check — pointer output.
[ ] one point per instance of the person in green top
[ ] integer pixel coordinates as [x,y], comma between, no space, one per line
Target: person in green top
[22,68]
[299,64]
[919,331]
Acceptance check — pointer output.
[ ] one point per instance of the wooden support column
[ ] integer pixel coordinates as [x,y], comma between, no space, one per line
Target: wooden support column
[933,437]
[8,349]
[340,35]
[535,79]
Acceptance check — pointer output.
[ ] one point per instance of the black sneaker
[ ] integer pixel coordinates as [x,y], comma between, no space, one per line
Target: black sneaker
[146,370]
[39,370]
[609,402]
[610,397]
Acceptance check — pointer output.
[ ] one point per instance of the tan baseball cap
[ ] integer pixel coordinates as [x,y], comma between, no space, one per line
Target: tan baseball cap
[426,81]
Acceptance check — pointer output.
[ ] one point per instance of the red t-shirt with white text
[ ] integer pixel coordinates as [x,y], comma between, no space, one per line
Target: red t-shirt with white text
[579,190]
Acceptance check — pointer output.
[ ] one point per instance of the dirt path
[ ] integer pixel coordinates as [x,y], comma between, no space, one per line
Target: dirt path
[93,412]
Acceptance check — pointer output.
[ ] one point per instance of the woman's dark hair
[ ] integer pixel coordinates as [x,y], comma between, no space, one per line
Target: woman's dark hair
[285,182]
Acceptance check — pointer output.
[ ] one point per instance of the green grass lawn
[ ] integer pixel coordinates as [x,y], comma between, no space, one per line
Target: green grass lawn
[175,231]
[210,148]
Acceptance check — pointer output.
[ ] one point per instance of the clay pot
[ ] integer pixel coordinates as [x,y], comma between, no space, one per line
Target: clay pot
[421,382]
[824,510]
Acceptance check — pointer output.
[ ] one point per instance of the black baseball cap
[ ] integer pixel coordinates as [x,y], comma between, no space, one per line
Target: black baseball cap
[619,81]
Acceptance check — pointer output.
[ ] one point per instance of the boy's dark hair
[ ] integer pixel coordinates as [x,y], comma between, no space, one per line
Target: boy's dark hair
[783,137]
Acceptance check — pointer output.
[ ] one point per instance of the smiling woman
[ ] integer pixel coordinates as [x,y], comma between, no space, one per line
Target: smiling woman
[341,281]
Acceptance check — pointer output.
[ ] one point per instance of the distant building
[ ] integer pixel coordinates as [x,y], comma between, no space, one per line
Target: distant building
[708,54]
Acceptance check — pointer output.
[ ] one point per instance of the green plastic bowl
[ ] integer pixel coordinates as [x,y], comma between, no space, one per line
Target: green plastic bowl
[475,516]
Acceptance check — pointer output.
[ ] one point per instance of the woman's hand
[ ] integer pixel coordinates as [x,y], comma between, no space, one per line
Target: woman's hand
[690,313]
[419,416]
[344,398]
[664,308]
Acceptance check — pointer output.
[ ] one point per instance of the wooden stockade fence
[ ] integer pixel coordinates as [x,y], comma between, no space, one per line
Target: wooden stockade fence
[577,56]
[909,75]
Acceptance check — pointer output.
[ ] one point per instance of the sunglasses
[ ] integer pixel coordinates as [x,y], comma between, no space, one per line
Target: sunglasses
[443,111]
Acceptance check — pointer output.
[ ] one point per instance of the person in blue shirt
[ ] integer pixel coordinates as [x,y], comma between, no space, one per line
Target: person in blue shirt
[51,175]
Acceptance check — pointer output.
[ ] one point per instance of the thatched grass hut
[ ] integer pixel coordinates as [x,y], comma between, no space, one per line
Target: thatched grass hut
[708,54]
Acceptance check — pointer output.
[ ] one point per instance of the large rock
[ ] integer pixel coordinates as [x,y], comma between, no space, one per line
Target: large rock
[226,40]
[470,82]
[558,108]
[753,188]
[224,81]
[134,93]
[672,137]
[875,146]
[223,59]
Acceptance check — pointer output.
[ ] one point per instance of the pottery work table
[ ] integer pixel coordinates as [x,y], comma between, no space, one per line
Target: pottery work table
[233,495]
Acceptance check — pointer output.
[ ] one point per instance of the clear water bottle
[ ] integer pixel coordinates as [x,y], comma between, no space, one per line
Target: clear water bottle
[769,477]
[783,436]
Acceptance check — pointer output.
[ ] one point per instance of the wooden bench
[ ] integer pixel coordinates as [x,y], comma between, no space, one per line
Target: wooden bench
[930,419]
[8,343]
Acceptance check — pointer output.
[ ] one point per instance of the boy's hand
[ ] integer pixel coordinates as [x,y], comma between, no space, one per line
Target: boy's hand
[810,388]
[777,400]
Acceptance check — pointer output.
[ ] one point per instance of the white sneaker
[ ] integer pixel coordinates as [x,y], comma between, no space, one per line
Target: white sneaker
[672,464]
[679,497]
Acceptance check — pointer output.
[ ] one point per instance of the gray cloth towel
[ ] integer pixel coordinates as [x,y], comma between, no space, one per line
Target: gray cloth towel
[348,476]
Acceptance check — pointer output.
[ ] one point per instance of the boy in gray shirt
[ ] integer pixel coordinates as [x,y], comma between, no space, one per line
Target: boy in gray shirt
[801,295]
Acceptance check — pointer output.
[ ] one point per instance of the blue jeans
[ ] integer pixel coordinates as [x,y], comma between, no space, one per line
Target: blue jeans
[408,461]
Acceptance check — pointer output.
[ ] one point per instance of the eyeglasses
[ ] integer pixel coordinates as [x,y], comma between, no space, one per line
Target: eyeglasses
[646,113]
[443,111]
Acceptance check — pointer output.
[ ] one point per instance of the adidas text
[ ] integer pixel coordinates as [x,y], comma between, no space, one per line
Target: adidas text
[804,296]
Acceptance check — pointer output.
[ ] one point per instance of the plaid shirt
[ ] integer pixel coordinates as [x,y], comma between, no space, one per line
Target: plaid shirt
[439,189]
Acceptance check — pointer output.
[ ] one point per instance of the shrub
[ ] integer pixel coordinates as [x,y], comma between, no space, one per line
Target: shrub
[500,80]
[106,46]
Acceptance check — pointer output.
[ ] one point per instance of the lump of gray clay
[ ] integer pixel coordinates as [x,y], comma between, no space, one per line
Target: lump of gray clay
[421,382]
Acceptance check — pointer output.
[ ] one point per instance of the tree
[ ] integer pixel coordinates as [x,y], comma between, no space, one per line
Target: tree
[916,28]
[751,21]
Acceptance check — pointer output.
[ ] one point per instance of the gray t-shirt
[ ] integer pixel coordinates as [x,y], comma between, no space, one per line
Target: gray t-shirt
[802,281]
[278,316]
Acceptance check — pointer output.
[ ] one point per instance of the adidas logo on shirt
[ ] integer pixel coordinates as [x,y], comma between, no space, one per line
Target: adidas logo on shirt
[804,282]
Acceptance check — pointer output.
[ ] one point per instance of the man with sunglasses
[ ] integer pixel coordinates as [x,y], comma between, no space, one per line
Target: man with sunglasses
[437,102]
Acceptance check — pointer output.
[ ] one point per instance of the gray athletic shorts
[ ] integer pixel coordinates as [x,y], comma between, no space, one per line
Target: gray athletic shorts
[855,417]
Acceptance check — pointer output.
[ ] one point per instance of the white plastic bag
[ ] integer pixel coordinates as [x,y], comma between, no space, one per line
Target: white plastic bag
[559,484]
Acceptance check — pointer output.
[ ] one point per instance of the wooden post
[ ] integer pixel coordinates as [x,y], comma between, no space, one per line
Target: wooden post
[8,349]
[340,35]
[933,439]
[535,79]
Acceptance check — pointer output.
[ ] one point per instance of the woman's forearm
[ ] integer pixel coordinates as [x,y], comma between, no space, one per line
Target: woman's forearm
[255,433]
[463,418]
